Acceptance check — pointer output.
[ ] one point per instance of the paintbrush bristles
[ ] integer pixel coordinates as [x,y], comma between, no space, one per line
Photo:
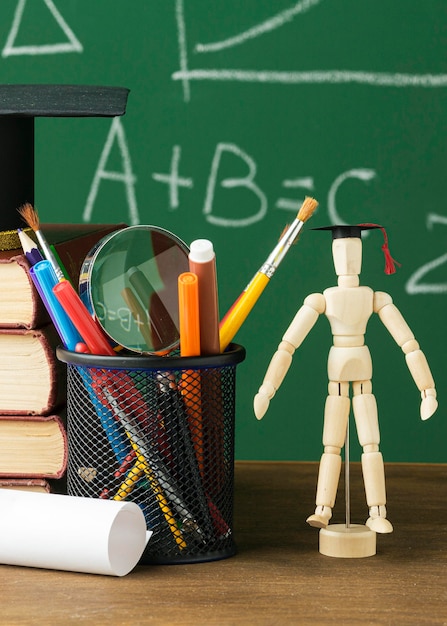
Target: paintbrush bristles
[30,216]
[307,209]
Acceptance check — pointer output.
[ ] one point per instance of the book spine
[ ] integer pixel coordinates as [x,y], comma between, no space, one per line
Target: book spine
[26,484]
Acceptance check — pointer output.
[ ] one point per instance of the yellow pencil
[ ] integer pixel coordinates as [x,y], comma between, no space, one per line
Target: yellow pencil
[239,311]
[161,500]
[133,476]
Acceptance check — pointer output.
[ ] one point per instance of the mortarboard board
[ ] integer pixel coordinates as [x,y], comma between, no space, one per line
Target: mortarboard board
[19,106]
[341,231]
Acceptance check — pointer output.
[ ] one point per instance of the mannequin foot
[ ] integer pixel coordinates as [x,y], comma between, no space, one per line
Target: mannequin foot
[321,517]
[377,520]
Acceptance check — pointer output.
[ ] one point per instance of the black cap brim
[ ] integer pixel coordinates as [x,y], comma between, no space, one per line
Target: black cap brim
[19,105]
[343,231]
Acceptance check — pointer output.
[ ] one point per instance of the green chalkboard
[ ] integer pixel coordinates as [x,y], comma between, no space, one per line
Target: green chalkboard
[236,111]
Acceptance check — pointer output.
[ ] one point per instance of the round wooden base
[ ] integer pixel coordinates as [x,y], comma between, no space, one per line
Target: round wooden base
[353,542]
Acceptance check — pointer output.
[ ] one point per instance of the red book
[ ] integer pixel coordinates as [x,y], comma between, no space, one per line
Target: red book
[20,304]
[32,447]
[32,380]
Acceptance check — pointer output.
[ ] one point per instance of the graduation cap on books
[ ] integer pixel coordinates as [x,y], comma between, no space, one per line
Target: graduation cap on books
[19,106]
[341,231]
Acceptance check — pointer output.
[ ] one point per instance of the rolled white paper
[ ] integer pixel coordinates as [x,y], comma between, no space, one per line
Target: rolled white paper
[70,533]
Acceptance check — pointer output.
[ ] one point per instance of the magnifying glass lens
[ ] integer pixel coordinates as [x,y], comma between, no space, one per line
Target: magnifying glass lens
[130,284]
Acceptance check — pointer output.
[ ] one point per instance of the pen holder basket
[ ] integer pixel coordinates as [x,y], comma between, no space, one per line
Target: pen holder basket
[158,431]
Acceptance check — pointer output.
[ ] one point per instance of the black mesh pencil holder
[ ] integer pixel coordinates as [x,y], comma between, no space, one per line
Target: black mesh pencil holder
[158,431]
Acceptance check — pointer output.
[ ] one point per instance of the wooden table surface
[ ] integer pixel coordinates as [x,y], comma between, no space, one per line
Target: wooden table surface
[278,576]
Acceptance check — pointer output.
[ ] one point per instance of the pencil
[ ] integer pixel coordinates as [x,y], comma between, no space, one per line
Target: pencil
[133,476]
[30,249]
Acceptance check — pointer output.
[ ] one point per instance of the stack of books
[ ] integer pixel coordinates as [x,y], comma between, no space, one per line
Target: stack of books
[33,438]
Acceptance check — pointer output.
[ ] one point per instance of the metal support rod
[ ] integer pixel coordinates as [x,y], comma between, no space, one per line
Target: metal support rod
[347,480]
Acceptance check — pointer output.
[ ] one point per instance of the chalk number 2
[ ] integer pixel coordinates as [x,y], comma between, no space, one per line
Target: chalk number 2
[416,283]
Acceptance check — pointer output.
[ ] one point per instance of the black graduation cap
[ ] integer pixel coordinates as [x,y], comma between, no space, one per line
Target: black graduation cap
[342,231]
[19,106]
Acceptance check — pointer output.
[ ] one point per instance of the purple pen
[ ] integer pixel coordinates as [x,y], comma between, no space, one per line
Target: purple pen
[30,249]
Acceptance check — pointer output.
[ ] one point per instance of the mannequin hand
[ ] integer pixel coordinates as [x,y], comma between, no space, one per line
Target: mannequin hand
[429,403]
[260,405]
[262,400]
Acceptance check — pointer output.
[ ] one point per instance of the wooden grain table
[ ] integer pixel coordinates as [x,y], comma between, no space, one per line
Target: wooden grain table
[278,577]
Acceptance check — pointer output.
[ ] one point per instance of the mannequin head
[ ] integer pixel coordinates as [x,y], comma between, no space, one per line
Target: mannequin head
[347,255]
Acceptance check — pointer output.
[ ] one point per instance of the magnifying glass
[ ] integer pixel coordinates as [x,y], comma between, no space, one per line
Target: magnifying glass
[129,282]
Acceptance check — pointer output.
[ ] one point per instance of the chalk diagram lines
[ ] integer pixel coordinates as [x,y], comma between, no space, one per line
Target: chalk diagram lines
[186,74]
[71,43]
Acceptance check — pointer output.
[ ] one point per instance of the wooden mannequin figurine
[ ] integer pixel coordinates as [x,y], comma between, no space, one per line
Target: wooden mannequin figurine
[348,307]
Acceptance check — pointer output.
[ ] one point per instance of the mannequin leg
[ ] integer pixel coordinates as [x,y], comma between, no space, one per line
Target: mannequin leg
[336,415]
[365,412]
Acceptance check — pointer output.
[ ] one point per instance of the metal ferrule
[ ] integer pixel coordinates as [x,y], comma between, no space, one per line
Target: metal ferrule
[48,254]
[281,248]
[268,269]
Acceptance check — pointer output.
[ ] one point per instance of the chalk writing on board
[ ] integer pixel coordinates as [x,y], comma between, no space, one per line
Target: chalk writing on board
[416,283]
[362,174]
[292,204]
[173,180]
[126,176]
[247,186]
[255,199]
[247,182]
[186,74]
[266,26]
[71,44]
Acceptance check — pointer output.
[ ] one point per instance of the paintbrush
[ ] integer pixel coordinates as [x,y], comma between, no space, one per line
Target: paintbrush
[239,311]
[31,217]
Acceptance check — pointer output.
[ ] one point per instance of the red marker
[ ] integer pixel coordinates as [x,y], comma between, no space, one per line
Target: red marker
[86,326]
[202,262]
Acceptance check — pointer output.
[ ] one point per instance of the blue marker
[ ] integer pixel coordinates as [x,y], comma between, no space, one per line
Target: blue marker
[44,279]
[116,436]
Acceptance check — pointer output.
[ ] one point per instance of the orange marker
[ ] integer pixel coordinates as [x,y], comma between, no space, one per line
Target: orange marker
[188,300]
[190,386]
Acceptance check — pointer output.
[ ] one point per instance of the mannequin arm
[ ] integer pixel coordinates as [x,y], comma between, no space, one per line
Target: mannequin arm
[300,327]
[415,358]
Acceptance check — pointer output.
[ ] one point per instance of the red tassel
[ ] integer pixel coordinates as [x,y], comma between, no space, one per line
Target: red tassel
[390,263]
